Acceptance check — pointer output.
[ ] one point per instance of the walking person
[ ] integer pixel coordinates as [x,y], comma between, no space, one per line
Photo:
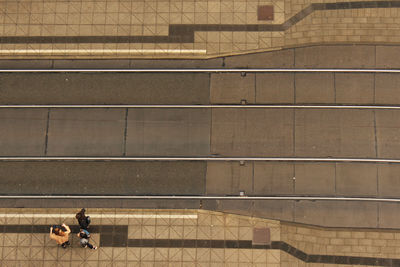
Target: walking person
[84,236]
[60,234]
[83,220]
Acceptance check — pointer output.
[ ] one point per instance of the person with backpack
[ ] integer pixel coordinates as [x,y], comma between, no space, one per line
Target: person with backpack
[83,220]
[60,234]
[84,236]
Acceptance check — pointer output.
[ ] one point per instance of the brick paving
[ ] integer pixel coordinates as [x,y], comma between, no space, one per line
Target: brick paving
[128,237]
[187,28]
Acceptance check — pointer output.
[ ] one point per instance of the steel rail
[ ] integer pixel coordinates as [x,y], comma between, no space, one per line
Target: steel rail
[174,197]
[216,158]
[199,70]
[208,106]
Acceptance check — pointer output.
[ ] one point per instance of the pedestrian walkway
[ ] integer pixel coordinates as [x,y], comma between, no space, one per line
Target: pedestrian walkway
[187,28]
[133,238]
[187,238]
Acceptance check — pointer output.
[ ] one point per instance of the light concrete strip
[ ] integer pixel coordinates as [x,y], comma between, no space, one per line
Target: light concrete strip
[105,215]
[209,106]
[244,71]
[294,198]
[62,52]
[271,159]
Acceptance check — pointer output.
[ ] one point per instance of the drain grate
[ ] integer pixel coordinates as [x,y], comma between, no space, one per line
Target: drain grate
[261,236]
[265,13]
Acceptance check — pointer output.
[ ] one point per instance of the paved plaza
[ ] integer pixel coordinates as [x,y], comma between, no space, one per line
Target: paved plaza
[187,29]
[154,237]
[334,133]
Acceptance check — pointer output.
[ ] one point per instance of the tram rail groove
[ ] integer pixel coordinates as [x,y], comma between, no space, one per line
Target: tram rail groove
[189,70]
[216,158]
[216,106]
[183,197]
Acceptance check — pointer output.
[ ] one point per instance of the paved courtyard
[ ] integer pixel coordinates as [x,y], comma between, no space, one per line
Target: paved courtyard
[187,29]
[220,34]
[153,237]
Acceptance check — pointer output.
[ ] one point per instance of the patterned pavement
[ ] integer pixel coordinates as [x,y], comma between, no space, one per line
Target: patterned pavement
[128,237]
[187,28]
[135,238]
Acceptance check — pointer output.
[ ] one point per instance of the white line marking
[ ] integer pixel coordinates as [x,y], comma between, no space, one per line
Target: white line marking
[208,106]
[271,159]
[205,70]
[99,51]
[106,215]
[296,198]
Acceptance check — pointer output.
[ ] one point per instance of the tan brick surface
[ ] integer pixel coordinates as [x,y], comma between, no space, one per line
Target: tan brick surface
[343,242]
[166,224]
[142,224]
[152,18]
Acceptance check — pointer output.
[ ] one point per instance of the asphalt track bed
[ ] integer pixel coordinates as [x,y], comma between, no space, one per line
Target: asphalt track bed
[200,132]
[102,178]
[104,88]
[199,88]
[378,89]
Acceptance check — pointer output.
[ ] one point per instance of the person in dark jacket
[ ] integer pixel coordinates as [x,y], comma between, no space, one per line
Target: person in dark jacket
[83,220]
[84,236]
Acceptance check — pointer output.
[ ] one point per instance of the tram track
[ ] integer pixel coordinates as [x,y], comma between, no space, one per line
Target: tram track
[206,159]
[152,177]
[214,106]
[177,197]
[200,70]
